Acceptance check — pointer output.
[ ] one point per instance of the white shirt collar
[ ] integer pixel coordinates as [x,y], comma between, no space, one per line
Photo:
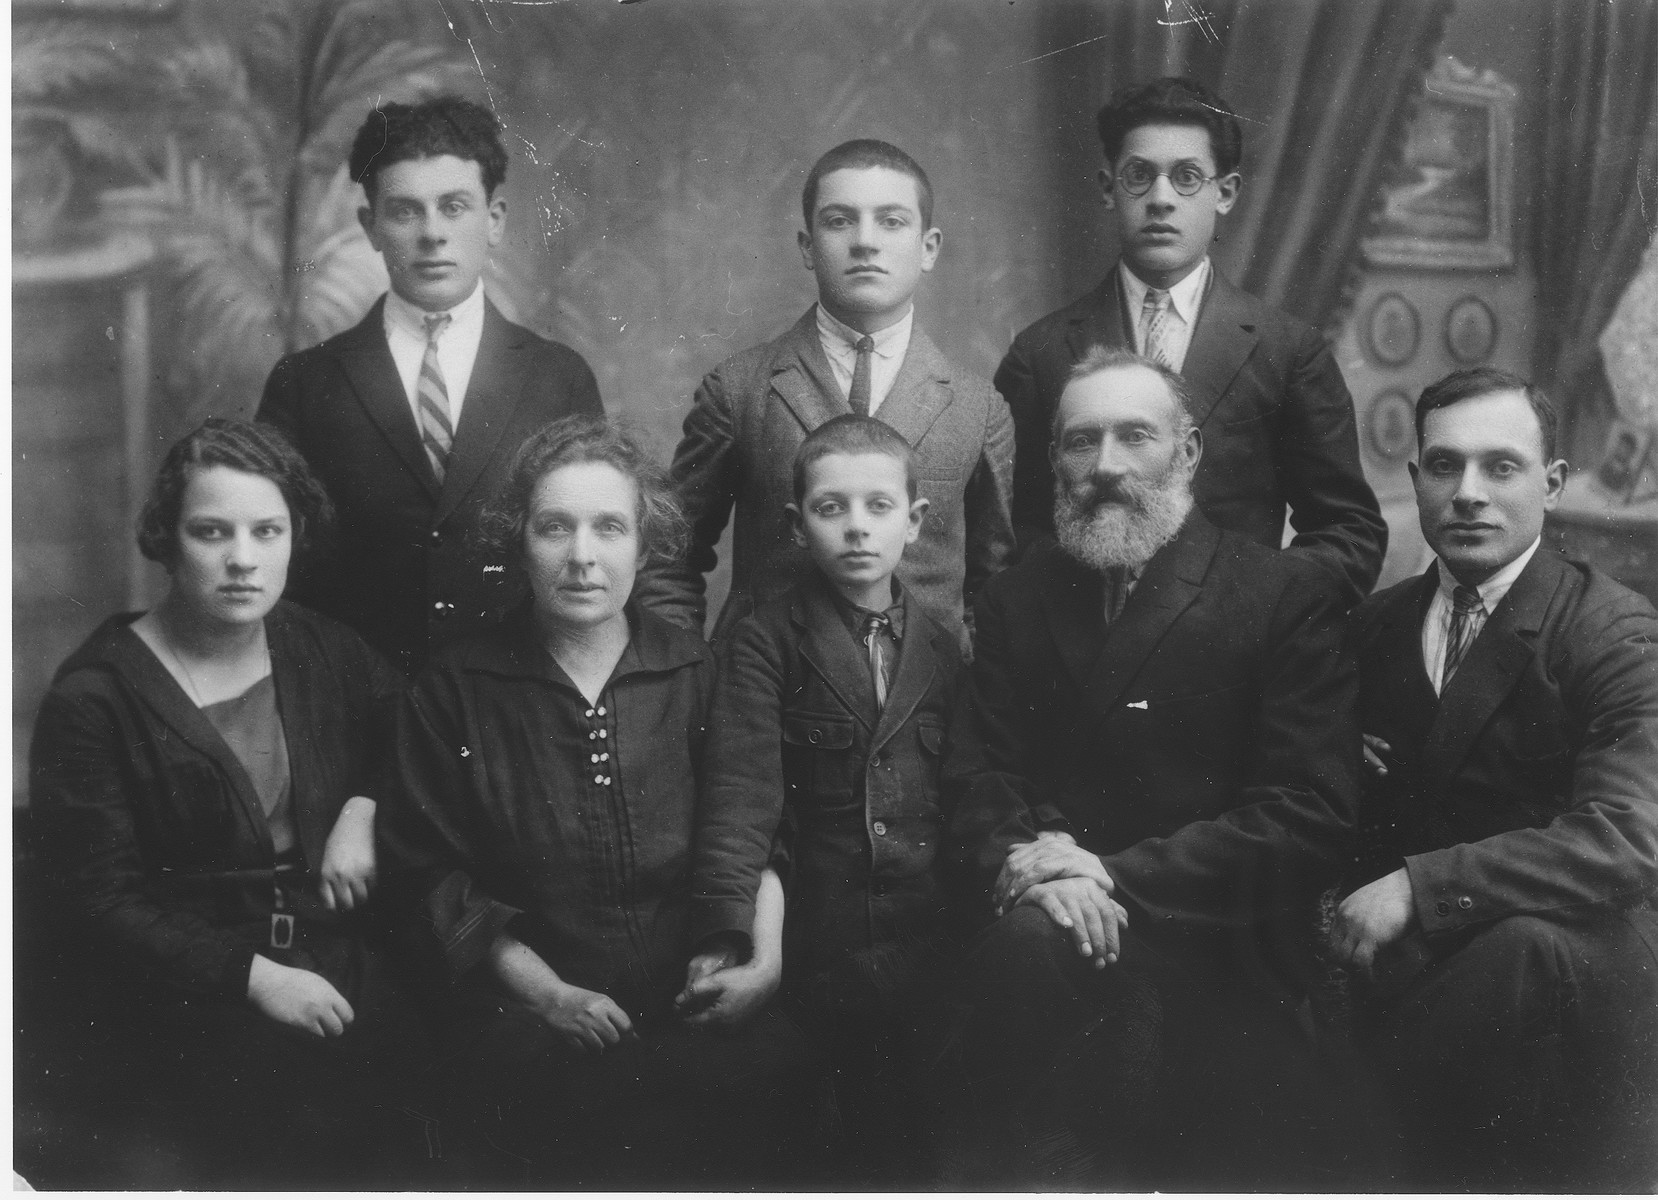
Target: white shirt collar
[1185,297]
[1494,589]
[411,318]
[889,341]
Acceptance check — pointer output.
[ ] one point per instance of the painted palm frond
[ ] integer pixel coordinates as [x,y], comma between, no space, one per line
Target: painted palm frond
[222,267]
[340,274]
[54,61]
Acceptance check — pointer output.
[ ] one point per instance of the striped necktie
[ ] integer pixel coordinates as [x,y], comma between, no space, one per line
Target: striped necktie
[858,397]
[874,624]
[1154,321]
[436,430]
[1466,607]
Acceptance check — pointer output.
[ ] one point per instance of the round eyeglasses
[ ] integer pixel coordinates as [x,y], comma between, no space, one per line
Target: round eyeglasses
[1138,175]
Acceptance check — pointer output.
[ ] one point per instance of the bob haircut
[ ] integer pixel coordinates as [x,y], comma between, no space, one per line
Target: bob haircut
[860,155]
[1107,358]
[852,433]
[1172,100]
[1475,382]
[242,446]
[663,529]
[395,133]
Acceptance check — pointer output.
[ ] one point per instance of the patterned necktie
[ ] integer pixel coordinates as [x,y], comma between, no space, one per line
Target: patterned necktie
[436,431]
[859,395]
[1154,322]
[1465,606]
[873,625]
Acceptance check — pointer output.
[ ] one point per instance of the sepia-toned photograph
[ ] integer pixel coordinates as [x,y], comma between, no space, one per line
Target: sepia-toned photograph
[843,595]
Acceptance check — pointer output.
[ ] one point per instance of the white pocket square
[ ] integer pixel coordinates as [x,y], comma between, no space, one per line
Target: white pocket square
[1136,704]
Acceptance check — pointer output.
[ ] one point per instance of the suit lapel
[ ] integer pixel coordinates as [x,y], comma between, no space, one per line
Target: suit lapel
[1495,661]
[1102,322]
[368,365]
[917,664]
[802,377]
[1171,582]
[492,397]
[1392,655]
[920,392]
[832,651]
[1223,340]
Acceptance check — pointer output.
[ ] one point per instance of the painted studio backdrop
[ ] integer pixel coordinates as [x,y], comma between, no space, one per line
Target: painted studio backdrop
[1436,182]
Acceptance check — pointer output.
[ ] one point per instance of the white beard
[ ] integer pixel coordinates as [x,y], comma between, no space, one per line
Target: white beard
[1101,536]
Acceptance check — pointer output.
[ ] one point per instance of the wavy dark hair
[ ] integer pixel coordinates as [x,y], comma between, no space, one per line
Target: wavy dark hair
[395,133]
[664,532]
[1172,100]
[242,446]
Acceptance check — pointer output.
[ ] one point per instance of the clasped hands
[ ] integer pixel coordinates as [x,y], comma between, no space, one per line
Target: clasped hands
[722,989]
[1071,885]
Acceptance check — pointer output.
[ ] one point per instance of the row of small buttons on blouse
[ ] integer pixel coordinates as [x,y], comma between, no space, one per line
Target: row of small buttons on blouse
[600,756]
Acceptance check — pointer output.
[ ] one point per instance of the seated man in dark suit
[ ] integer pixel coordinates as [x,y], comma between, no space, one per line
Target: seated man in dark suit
[409,419]
[1168,735]
[1276,417]
[1506,940]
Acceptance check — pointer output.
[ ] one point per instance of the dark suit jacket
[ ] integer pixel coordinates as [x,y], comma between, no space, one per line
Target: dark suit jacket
[1277,422]
[1205,745]
[748,419]
[403,570]
[797,744]
[1531,784]
[151,821]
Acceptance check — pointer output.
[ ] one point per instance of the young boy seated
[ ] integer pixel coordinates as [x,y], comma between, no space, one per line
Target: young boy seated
[869,238]
[831,720]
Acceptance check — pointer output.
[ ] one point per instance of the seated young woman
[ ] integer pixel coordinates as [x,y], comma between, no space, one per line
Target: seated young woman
[602,1026]
[197,772]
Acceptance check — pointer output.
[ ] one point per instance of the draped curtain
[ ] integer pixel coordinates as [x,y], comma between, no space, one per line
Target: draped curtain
[1597,195]
[1324,90]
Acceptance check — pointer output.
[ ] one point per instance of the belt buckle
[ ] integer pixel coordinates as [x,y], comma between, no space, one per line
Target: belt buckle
[282,930]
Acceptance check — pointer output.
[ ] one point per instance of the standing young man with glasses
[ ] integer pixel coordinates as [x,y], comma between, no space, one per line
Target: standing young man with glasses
[1274,413]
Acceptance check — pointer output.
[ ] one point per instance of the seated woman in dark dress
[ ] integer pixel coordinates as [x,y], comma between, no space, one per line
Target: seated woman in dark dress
[197,772]
[538,816]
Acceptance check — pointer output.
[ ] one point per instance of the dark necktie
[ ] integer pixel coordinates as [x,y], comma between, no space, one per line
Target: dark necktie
[1117,589]
[874,624]
[1465,607]
[436,431]
[858,397]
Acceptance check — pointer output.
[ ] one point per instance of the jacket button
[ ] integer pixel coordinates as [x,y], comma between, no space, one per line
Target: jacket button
[815,736]
[436,537]
[1443,908]
[1465,902]
[880,828]
[874,760]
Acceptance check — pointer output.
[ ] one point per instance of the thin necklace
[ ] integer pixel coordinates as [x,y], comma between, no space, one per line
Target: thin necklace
[190,680]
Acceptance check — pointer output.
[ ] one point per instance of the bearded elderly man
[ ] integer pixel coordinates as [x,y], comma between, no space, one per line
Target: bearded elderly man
[1167,741]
